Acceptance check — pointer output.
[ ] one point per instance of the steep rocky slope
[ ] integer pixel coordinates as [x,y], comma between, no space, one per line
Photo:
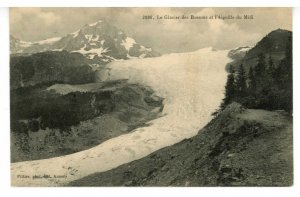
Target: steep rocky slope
[240,147]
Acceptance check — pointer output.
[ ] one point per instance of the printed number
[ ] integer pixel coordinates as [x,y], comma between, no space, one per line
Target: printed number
[147,17]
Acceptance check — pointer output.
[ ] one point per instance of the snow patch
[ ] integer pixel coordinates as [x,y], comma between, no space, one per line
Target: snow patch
[96,38]
[56,49]
[94,66]
[128,43]
[88,37]
[142,55]
[91,56]
[97,51]
[244,49]
[49,40]
[142,48]
[25,44]
[93,24]
[130,57]
[75,34]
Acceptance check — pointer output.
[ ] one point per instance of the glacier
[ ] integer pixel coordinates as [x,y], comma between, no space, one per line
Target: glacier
[192,85]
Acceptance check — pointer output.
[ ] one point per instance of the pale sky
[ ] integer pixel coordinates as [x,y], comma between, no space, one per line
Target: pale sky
[165,36]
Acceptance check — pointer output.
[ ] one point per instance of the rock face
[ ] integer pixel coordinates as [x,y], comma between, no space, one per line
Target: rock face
[240,147]
[100,41]
[273,45]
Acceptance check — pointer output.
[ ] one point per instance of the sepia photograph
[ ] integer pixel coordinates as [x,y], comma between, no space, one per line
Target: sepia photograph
[151,96]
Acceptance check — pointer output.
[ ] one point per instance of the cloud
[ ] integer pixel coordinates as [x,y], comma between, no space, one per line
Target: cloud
[36,16]
[224,35]
[32,23]
[163,35]
[186,35]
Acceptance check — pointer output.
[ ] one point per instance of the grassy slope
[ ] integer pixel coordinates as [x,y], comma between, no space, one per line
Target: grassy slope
[241,147]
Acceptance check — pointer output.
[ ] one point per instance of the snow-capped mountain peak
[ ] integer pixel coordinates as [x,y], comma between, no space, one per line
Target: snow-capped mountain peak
[99,41]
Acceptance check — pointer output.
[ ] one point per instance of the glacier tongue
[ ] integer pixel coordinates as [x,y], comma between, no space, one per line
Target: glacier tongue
[192,85]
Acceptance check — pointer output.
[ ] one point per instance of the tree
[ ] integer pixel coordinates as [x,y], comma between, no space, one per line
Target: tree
[271,67]
[260,70]
[289,58]
[229,89]
[241,82]
[252,82]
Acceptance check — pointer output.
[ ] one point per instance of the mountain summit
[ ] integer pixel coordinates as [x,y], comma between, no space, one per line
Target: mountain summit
[100,41]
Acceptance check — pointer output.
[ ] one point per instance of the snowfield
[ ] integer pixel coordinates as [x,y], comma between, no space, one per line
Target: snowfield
[192,85]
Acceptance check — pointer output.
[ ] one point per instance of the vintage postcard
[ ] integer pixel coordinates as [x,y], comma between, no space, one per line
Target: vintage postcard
[151,97]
